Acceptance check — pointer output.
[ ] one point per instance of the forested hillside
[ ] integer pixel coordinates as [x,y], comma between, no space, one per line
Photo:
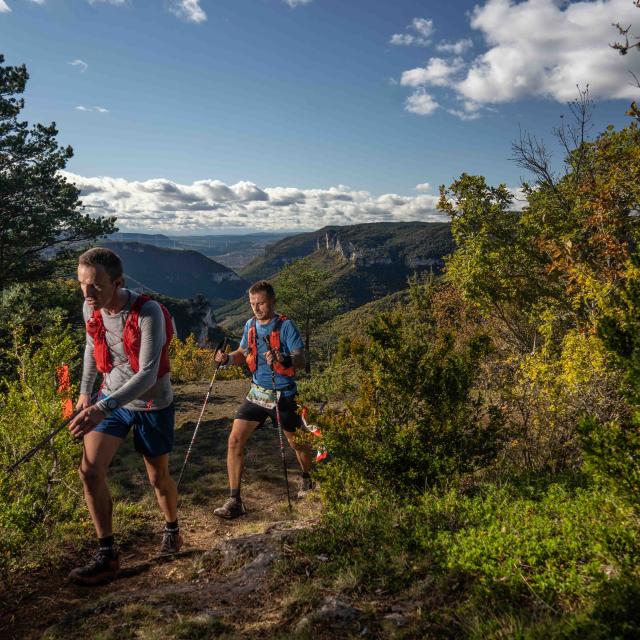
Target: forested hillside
[179,273]
[403,246]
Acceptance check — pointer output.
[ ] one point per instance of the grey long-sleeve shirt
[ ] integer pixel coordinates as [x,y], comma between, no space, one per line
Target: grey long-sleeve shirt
[136,391]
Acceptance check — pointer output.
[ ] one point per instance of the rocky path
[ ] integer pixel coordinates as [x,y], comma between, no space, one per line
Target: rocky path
[221,582]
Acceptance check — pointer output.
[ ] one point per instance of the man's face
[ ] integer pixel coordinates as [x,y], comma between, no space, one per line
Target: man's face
[263,306]
[97,287]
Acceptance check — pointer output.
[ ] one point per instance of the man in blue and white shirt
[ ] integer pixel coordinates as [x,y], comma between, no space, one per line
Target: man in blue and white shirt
[285,355]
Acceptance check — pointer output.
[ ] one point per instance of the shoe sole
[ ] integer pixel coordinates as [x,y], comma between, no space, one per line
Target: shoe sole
[230,516]
[172,552]
[93,582]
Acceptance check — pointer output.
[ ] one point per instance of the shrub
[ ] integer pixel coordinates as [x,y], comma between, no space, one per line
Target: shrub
[414,422]
[42,495]
[190,362]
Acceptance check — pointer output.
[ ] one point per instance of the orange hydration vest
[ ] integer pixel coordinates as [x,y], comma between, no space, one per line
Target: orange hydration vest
[274,341]
[130,337]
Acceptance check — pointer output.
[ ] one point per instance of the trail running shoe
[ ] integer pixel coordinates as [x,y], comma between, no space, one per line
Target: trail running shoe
[171,542]
[305,485]
[104,566]
[232,508]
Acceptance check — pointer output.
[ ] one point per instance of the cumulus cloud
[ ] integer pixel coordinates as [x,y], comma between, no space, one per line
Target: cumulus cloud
[115,2]
[423,186]
[161,205]
[539,48]
[297,3]
[188,10]
[81,107]
[438,72]
[457,48]
[421,103]
[418,34]
[546,48]
[81,64]
[4,7]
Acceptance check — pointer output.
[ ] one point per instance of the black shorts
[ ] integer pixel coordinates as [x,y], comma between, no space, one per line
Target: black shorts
[289,417]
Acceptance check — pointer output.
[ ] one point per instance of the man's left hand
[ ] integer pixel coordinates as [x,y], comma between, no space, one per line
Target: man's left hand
[87,420]
[272,356]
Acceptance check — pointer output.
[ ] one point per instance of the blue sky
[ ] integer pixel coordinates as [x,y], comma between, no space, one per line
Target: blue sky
[297,100]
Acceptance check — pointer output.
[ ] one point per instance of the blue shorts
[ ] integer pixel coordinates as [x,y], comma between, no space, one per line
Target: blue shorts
[152,430]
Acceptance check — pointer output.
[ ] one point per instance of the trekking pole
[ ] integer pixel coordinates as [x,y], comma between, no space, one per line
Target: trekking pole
[32,452]
[279,425]
[221,347]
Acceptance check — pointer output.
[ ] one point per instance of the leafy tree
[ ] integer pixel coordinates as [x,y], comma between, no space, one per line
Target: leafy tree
[546,276]
[39,209]
[562,255]
[305,295]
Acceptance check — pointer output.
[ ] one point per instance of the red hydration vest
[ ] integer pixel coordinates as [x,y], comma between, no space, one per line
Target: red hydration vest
[130,338]
[274,341]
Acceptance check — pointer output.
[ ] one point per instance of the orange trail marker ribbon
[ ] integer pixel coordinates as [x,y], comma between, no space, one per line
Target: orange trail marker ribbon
[64,390]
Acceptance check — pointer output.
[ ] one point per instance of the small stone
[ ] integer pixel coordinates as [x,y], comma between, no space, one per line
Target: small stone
[336,613]
[397,619]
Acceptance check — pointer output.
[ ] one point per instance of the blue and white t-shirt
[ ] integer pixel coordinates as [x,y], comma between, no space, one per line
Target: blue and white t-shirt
[290,340]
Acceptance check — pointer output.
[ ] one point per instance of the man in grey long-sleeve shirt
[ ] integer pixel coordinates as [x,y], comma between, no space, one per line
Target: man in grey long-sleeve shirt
[127,341]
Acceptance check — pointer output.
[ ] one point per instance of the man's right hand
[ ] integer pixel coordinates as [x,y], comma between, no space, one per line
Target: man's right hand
[221,357]
[84,401]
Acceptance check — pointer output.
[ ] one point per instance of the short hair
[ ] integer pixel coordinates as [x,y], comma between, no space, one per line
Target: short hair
[263,286]
[105,258]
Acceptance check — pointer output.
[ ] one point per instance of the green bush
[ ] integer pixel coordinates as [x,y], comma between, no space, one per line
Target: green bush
[415,421]
[191,363]
[43,494]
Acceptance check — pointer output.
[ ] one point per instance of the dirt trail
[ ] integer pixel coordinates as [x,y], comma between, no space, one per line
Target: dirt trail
[215,585]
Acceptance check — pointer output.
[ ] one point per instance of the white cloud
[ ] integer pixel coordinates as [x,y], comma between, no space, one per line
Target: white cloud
[464,115]
[545,48]
[297,3]
[418,34]
[457,48]
[421,103]
[423,186]
[83,66]
[4,7]
[81,107]
[533,48]
[188,10]
[161,205]
[114,2]
[438,72]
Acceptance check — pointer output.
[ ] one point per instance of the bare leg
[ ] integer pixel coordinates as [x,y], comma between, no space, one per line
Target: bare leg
[163,485]
[99,449]
[240,433]
[304,453]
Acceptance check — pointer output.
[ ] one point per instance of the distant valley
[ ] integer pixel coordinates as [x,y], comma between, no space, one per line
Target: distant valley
[233,251]
[365,262]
